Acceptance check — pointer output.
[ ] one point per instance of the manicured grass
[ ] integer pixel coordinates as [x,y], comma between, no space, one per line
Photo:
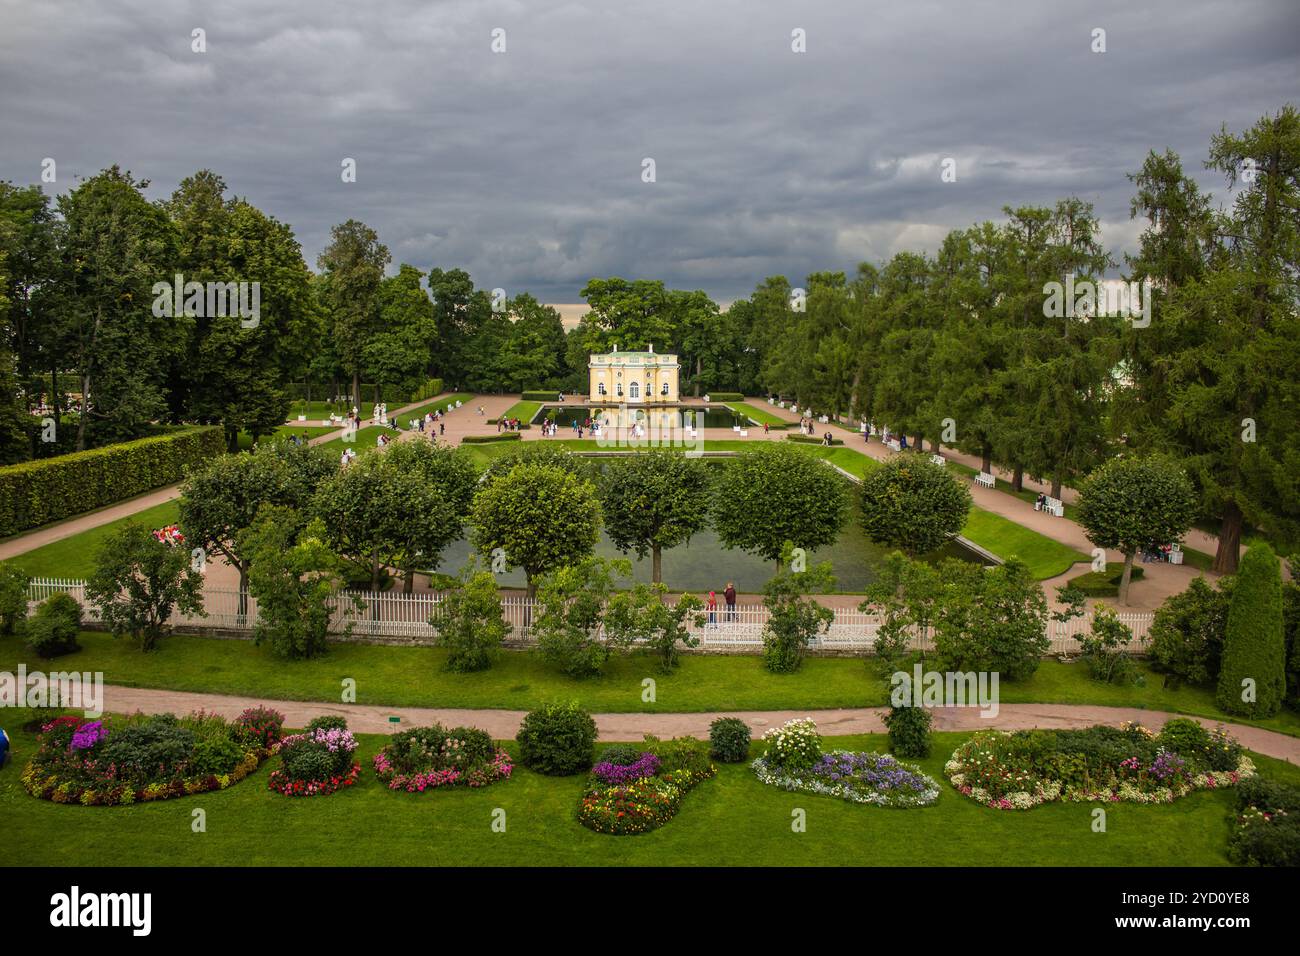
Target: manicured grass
[731,820]
[520,680]
[316,411]
[524,411]
[1046,558]
[74,557]
[362,442]
[757,414]
[1023,494]
[311,431]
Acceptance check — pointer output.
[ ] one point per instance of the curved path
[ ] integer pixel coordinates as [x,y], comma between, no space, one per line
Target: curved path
[503,724]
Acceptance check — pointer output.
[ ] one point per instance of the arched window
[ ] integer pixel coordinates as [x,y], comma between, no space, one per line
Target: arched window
[634,390]
[663,389]
[600,388]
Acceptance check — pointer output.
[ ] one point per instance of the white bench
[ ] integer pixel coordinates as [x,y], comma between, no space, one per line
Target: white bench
[986,479]
[894,445]
[939,460]
[824,420]
[744,433]
[1176,554]
[1054,506]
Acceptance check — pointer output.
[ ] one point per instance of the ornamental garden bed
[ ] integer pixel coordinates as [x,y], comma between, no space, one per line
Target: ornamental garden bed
[633,790]
[1128,764]
[795,761]
[318,761]
[138,758]
[426,758]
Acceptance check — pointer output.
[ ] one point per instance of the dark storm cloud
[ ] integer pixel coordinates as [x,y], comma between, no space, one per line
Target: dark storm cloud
[525,167]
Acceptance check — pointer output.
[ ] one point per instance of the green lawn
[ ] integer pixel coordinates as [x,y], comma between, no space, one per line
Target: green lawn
[363,441]
[316,411]
[1046,558]
[436,405]
[520,680]
[731,820]
[1023,494]
[312,431]
[73,557]
[758,414]
[524,411]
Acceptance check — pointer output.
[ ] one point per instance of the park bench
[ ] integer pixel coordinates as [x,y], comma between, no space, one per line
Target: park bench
[894,445]
[1054,506]
[986,479]
[939,460]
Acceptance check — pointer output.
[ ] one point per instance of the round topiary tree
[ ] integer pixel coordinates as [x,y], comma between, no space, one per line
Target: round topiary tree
[1252,677]
[774,494]
[729,739]
[1131,503]
[654,500]
[912,504]
[557,740]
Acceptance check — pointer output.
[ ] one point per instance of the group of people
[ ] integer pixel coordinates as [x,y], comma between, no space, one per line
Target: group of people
[1157,552]
[729,598]
[512,425]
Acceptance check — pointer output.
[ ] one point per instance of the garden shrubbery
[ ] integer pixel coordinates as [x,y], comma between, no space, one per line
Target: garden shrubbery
[909,731]
[318,761]
[1017,771]
[53,629]
[635,790]
[795,761]
[557,739]
[729,739]
[425,758]
[487,439]
[1266,831]
[37,492]
[122,760]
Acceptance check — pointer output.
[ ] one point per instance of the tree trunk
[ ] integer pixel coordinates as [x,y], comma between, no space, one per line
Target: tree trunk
[243,591]
[1057,488]
[374,574]
[1225,559]
[409,586]
[81,419]
[918,442]
[1126,576]
[356,390]
[530,593]
[656,571]
[986,460]
[1018,479]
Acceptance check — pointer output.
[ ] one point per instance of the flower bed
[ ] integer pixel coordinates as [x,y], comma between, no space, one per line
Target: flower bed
[1129,764]
[633,791]
[426,758]
[125,760]
[794,761]
[318,762]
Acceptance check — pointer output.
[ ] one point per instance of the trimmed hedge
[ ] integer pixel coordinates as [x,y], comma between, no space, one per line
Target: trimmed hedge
[813,439]
[485,439]
[1254,648]
[725,397]
[1105,583]
[540,396]
[429,389]
[39,492]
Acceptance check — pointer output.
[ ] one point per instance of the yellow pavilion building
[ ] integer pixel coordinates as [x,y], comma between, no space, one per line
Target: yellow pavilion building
[639,380]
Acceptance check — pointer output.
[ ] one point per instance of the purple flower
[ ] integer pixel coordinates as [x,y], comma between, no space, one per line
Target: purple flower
[618,774]
[87,735]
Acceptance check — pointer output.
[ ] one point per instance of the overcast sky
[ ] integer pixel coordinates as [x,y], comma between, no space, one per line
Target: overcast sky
[525,167]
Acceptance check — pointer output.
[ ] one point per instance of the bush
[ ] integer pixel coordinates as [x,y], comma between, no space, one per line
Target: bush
[38,492]
[1267,826]
[1254,648]
[621,755]
[427,390]
[53,629]
[486,439]
[557,740]
[1104,649]
[1104,583]
[726,397]
[469,623]
[680,753]
[1187,633]
[13,598]
[729,739]
[327,722]
[260,726]
[909,731]
[540,396]
[426,758]
[794,746]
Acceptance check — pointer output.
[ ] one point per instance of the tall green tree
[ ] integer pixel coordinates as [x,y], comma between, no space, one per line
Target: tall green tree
[139,581]
[654,500]
[1252,675]
[353,266]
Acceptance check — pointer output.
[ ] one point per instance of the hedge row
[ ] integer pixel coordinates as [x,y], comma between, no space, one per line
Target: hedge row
[726,397]
[485,439]
[38,492]
[389,394]
[429,389]
[813,439]
[552,396]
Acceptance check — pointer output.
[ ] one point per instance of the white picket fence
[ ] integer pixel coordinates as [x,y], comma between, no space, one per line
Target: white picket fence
[397,618]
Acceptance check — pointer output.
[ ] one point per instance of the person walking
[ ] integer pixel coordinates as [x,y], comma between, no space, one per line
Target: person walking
[713,609]
[729,595]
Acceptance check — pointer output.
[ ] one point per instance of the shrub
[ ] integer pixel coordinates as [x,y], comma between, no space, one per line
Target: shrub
[469,623]
[812,440]
[1105,648]
[729,739]
[1254,649]
[318,762]
[726,397]
[1267,826]
[990,619]
[327,722]
[1187,633]
[261,726]
[557,739]
[484,439]
[794,746]
[35,493]
[909,731]
[912,504]
[427,390]
[680,753]
[540,396]
[621,755]
[1184,736]
[13,598]
[53,629]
